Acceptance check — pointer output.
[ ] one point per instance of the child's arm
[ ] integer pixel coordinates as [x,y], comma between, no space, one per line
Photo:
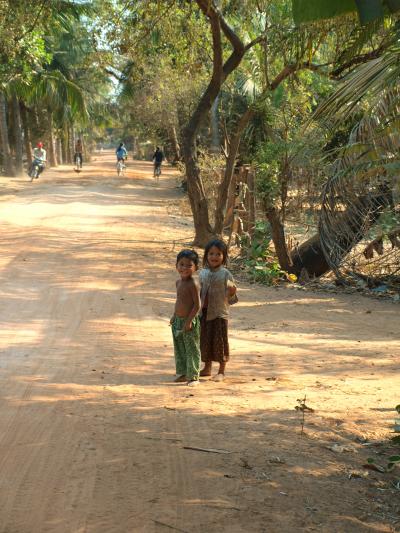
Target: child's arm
[173,316]
[195,293]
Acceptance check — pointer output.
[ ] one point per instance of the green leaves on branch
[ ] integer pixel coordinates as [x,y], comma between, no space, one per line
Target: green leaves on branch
[368,10]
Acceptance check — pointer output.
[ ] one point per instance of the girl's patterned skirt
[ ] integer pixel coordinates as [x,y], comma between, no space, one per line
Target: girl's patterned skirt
[214,344]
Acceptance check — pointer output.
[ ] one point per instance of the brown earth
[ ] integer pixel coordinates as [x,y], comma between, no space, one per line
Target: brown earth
[94,435]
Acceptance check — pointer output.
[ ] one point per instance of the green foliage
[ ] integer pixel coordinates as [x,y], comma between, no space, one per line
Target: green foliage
[368,10]
[287,145]
[311,10]
[258,248]
[388,221]
[269,273]
[260,265]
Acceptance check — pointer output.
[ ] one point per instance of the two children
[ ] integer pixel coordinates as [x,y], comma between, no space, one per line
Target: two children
[208,337]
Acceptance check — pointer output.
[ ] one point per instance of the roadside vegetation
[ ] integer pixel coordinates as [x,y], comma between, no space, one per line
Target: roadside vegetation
[282,117]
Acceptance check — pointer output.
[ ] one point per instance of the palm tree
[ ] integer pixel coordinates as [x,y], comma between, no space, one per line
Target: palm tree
[5,145]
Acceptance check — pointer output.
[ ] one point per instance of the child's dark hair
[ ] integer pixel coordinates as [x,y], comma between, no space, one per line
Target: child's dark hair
[188,254]
[222,247]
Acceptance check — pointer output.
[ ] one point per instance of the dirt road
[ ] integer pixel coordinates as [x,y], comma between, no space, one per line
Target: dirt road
[94,434]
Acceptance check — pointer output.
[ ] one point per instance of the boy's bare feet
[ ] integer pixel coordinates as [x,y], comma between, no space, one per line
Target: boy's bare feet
[180,379]
[219,377]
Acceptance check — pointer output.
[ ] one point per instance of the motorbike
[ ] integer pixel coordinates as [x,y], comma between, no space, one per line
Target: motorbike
[36,168]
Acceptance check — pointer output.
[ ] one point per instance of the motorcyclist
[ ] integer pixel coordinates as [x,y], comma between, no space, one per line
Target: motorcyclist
[39,158]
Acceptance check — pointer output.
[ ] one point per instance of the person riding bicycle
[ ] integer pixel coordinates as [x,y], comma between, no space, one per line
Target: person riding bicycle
[157,158]
[121,153]
[39,158]
[78,153]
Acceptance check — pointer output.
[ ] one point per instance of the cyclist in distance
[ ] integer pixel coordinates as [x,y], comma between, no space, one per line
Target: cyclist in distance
[39,158]
[78,157]
[121,153]
[158,158]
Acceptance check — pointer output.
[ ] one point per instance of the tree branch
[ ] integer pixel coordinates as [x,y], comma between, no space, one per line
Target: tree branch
[357,60]
[291,69]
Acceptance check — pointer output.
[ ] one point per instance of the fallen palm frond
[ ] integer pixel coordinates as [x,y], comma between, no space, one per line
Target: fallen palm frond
[360,211]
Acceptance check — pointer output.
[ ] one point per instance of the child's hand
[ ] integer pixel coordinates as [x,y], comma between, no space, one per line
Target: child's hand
[171,320]
[231,290]
[188,325]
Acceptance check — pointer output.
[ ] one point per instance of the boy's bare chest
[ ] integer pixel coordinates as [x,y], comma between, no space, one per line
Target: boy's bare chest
[184,289]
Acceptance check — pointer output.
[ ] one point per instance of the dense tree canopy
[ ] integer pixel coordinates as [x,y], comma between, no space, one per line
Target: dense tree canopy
[276,85]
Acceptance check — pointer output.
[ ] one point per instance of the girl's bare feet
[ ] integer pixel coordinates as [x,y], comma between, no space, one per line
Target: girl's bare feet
[206,370]
[221,373]
[180,379]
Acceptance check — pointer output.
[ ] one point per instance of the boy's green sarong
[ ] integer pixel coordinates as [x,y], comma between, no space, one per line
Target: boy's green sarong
[187,348]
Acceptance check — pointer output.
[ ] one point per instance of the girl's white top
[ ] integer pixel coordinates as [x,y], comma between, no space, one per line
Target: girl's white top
[216,283]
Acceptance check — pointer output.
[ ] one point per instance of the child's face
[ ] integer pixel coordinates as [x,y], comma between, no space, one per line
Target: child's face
[215,257]
[186,268]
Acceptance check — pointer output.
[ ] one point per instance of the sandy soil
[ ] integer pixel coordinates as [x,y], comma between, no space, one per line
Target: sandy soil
[94,435]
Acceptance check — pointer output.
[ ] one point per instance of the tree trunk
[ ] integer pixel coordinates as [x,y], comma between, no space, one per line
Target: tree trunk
[51,147]
[18,136]
[198,202]
[278,238]
[230,166]
[175,144]
[221,71]
[27,133]
[59,154]
[214,126]
[64,145]
[71,144]
[251,203]
[5,145]
[310,256]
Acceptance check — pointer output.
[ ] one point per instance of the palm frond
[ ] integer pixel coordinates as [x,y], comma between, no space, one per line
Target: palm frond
[370,79]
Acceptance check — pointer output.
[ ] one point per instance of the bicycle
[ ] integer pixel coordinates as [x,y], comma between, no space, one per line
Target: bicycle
[78,162]
[120,167]
[157,171]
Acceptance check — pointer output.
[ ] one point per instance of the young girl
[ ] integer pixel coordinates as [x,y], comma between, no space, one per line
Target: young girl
[218,290]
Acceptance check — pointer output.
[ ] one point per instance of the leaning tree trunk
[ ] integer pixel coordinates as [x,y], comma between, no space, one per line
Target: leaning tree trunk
[198,201]
[175,144]
[310,256]
[5,145]
[27,133]
[18,136]
[278,238]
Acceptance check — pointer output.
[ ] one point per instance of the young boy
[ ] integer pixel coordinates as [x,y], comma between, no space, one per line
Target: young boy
[185,322]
